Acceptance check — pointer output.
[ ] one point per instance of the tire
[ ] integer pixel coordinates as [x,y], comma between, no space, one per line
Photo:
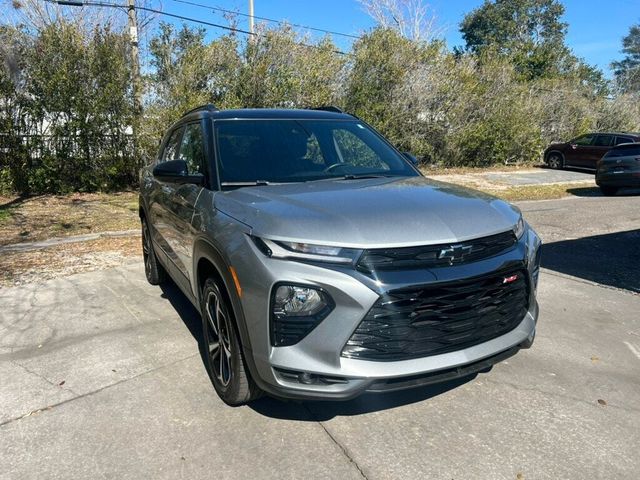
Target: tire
[222,349]
[608,191]
[154,272]
[555,161]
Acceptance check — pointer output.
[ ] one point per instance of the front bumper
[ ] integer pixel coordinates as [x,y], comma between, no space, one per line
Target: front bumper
[313,368]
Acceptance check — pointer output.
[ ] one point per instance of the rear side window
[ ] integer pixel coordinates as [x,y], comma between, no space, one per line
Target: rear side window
[604,140]
[192,148]
[171,148]
[620,140]
[626,151]
[583,140]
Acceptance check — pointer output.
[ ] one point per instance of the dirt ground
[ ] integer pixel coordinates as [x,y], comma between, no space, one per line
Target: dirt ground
[42,217]
[18,268]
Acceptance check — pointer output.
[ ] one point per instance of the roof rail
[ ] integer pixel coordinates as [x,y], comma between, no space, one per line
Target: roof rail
[328,108]
[209,107]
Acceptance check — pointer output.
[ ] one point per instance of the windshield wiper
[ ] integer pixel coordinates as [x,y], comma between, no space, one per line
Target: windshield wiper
[256,183]
[364,175]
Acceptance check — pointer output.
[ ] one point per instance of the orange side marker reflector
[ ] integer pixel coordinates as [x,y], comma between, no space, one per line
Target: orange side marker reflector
[236,281]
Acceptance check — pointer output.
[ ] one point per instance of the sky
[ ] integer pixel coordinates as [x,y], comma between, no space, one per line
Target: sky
[595,30]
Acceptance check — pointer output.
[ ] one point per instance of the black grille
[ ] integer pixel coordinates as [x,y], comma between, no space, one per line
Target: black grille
[426,256]
[440,318]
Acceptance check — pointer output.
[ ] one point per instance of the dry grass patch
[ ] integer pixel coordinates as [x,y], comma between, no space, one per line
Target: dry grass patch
[47,216]
[543,192]
[17,268]
[438,170]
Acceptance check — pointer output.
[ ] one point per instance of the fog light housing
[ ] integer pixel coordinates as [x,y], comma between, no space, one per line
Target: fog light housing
[295,311]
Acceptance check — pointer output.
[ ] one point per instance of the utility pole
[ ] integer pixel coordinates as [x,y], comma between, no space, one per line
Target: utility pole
[251,26]
[135,57]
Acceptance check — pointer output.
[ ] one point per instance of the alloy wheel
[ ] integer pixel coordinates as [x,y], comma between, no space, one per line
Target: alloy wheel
[555,161]
[146,249]
[218,340]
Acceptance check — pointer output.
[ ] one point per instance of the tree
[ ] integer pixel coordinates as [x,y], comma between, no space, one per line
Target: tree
[282,69]
[529,31]
[627,71]
[412,19]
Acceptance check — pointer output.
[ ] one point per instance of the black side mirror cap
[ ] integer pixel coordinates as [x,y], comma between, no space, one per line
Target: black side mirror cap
[411,158]
[176,171]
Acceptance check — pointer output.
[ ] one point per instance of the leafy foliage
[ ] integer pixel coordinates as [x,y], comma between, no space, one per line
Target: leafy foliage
[627,71]
[67,120]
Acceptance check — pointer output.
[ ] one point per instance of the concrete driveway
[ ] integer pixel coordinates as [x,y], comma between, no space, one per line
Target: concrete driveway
[101,378]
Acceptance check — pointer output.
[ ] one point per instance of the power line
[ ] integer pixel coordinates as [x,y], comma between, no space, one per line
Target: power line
[307,27]
[189,19]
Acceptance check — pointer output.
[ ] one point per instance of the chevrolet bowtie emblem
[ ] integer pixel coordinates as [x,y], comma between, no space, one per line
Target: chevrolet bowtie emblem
[455,252]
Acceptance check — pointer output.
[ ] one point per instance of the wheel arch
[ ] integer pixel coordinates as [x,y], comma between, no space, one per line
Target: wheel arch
[208,262]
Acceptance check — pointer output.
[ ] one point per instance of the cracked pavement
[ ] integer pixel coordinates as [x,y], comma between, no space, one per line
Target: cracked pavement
[101,377]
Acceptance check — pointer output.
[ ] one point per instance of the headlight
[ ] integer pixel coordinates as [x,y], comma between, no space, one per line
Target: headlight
[295,311]
[307,251]
[520,227]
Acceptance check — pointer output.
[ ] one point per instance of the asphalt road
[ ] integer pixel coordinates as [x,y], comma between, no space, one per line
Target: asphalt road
[101,377]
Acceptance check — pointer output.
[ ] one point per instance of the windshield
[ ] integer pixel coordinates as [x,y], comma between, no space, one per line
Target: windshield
[281,151]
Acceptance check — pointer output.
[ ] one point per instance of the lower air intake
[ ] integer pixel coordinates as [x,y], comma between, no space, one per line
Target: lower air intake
[440,318]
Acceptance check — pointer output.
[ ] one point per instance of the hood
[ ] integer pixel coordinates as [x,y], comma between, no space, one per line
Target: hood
[368,213]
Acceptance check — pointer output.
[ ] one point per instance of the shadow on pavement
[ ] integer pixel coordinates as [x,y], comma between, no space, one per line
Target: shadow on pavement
[313,411]
[610,259]
[189,315]
[595,192]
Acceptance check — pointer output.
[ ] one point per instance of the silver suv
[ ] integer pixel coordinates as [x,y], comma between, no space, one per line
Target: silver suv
[324,264]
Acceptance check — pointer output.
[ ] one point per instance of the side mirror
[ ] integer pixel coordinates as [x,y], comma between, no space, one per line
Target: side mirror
[410,157]
[176,171]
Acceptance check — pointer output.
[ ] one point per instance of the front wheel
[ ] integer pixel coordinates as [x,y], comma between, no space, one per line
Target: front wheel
[224,359]
[608,191]
[152,269]
[554,160]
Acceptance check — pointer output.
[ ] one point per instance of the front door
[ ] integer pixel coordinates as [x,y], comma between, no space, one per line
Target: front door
[161,196]
[183,199]
[601,145]
[579,149]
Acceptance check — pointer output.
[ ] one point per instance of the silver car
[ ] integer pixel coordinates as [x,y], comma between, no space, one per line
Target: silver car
[324,264]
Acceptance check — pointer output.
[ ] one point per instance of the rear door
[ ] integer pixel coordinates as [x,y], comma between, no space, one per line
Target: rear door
[181,205]
[579,149]
[601,145]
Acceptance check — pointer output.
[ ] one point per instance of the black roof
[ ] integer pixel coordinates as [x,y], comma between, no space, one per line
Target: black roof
[268,113]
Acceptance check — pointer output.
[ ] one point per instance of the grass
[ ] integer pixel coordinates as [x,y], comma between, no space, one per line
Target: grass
[440,170]
[46,216]
[543,192]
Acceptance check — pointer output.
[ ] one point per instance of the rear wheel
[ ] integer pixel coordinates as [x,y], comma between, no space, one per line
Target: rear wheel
[608,191]
[224,359]
[152,269]
[554,160]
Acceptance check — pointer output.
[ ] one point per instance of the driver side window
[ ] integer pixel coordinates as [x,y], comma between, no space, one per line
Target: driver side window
[192,148]
[584,140]
[171,147]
